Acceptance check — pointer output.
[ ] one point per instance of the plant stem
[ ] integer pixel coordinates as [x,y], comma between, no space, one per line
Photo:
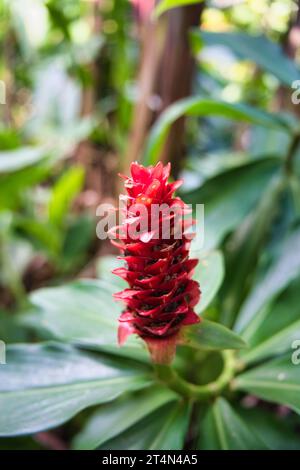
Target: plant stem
[197,392]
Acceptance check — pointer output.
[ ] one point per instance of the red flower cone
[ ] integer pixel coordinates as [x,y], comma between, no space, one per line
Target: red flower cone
[161,294]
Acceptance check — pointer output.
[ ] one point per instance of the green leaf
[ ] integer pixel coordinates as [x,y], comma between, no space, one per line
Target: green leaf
[105,265]
[213,336]
[281,273]
[46,236]
[82,312]
[42,386]
[273,431]
[64,191]
[78,237]
[166,5]
[229,197]
[223,429]
[12,185]
[13,160]
[205,107]
[209,273]
[114,418]
[274,331]
[164,429]
[266,54]
[248,242]
[276,381]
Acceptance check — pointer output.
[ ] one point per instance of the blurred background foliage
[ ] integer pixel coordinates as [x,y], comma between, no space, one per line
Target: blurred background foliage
[90,86]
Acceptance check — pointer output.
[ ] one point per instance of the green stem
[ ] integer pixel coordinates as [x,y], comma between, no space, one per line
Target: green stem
[197,392]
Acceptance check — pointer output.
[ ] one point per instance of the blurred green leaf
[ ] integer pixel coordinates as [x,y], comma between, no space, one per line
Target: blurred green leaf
[205,107]
[229,197]
[78,237]
[165,5]
[209,273]
[213,336]
[64,191]
[13,160]
[165,429]
[281,273]
[223,429]
[272,430]
[42,386]
[266,54]
[105,265]
[13,185]
[273,331]
[82,312]
[276,381]
[113,419]
[10,331]
[44,234]
[248,243]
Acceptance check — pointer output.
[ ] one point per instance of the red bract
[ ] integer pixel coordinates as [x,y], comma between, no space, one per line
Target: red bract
[161,294]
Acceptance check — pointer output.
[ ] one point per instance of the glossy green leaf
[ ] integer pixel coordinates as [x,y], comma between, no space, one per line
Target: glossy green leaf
[165,5]
[209,273]
[223,429]
[114,418]
[259,49]
[276,381]
[165,429]
[12,185]
[82,312]
[13,160]
[42,386]
[205,107]
[213,336]
[274,330]
[105,265]
[229,197]
[247,244]
[281,273]
[64,191]
[274,431]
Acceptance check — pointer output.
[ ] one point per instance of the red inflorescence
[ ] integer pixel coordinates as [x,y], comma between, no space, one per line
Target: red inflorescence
[161,296]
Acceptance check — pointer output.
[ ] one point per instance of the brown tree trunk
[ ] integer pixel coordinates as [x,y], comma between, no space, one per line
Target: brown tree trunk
[165,76]
[176,74]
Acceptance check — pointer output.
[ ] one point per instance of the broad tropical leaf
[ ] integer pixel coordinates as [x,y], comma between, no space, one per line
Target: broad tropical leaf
[209,273]
[281,273]
[266,54]
[42,386]
[273,331]
[223,429]
[213,336]
[205,107]
[165,429]
[82,312]
[114,418]
[229,197]
[276,381]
